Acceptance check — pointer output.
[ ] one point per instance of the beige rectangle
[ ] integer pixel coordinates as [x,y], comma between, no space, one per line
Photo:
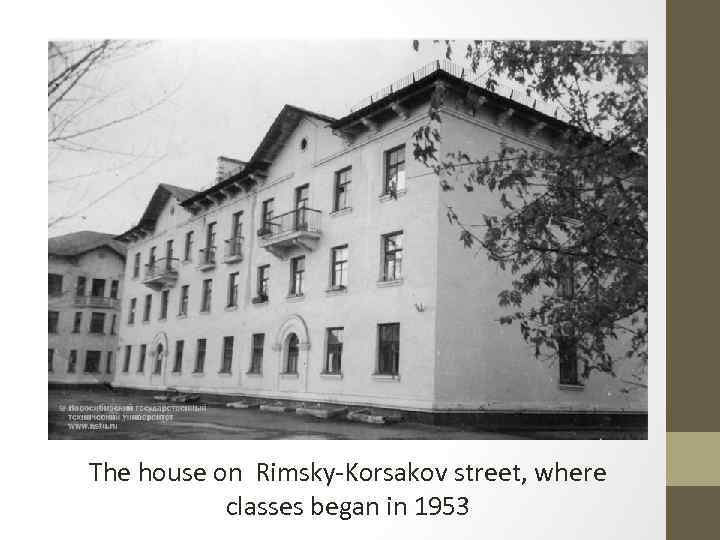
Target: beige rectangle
[693,458]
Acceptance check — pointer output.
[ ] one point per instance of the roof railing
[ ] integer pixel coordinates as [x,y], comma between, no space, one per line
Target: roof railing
[468,76]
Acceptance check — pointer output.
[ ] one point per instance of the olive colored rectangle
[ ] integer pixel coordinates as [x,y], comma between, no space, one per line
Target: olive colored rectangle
[693,228]
[693,459]
[692,513]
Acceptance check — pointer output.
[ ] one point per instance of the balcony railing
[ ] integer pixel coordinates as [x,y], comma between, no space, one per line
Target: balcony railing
[297,228]
[299,220]
[207,258]
[161,273]
[233,249]
[103,302]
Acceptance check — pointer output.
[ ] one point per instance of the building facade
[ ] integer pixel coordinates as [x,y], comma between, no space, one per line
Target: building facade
[324,269]
[85,279]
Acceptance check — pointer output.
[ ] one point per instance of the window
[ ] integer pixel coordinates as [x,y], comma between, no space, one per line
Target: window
[136,265]
[200,355]
[80,287]
[258,342]
[53,317]
[55,284]
[263,282]
[339,267]
[268,211]
[189,245]
[209,254]
[141,358]
[131,310]
[341,198]
[206,295]
[151,258]
[148,307]
[77,322]
[179,346]
[128,355]
[113,321]
[293,351]
[234,244]
[568,360]
[97,323]
[232,299]
[114,288]
[108,362]
[184,295]
[394,170]
[168,252]
[51,355]
[392,245]
[303,144]
[72,361]
[333,358]
[164,299]
[388,349]
[227,354]
[302,196]
[236,230]
[98,287]
[92,362]
[297,275]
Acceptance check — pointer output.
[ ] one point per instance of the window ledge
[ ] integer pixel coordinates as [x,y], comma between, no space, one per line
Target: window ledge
[331,376]
[575,387]
[146,322]
[385,378]
[205,312]
[175,373]
[390,282]
[333,291]
[186,261]
[383,197]
[231,308]
[253,373]
[224,374]
[182,316]
[198,373]
[162,319]
[341,212]
[295,297]
[289,375]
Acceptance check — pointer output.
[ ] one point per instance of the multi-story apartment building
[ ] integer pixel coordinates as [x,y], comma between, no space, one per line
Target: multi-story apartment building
[324,268]
[85,277]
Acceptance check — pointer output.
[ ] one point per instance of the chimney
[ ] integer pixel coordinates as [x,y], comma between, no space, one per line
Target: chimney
[227,167]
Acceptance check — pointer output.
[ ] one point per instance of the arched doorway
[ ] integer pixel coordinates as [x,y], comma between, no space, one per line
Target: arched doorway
[292,344]
[159,357]
[292,352]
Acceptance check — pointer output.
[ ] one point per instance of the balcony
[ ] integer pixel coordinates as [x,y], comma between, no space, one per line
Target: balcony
[207,259]
[233,250]
[161,274]
[101,302]
[298,229]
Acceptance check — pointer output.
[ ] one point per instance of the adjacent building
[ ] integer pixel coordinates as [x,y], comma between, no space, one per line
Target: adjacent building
[85,280]
[324,268]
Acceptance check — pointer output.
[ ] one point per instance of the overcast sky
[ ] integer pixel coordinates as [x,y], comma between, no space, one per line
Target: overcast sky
[223,97]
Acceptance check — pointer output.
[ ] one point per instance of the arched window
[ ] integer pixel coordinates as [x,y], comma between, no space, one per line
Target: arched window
[292,354]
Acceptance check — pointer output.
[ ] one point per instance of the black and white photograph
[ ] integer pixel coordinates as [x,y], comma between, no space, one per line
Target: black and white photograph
[347,239]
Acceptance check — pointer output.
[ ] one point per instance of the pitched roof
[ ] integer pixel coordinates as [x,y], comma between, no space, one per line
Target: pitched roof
[158,200]
[282,127]
[77,243]
[275,138]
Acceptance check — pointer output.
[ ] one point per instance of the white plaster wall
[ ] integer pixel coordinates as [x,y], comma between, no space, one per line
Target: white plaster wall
[480,363]
[359,310]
